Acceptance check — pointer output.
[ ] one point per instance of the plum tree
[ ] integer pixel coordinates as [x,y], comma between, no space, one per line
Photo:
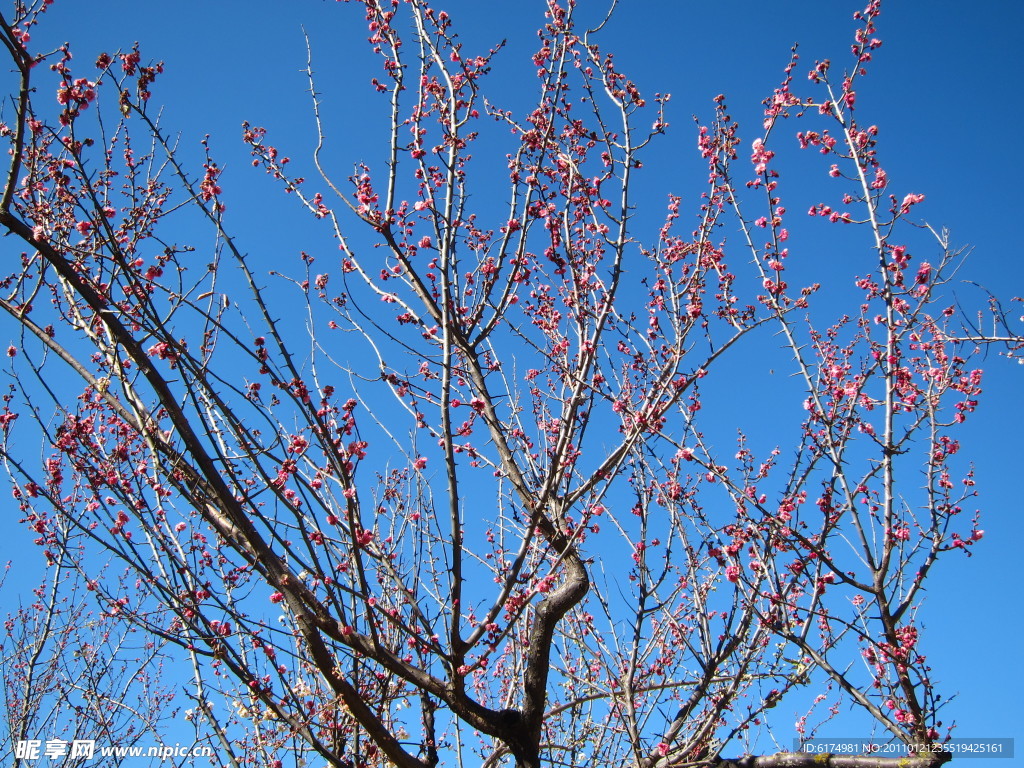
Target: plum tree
[447,493]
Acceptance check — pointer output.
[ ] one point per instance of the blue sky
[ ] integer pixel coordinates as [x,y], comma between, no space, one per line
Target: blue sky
[945,90]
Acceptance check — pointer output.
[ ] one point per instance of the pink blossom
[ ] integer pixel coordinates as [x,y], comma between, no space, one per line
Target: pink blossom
[364,537]
[923,273]
[909,200]
[420,463]
[760,156]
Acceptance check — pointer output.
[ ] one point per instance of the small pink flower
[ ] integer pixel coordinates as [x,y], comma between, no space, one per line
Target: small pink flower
[277,597]
[420,463]
[760,156]
[923,273]
[909,200]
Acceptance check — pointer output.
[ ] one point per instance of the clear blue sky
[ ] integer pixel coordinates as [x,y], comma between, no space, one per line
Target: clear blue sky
[945,89]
